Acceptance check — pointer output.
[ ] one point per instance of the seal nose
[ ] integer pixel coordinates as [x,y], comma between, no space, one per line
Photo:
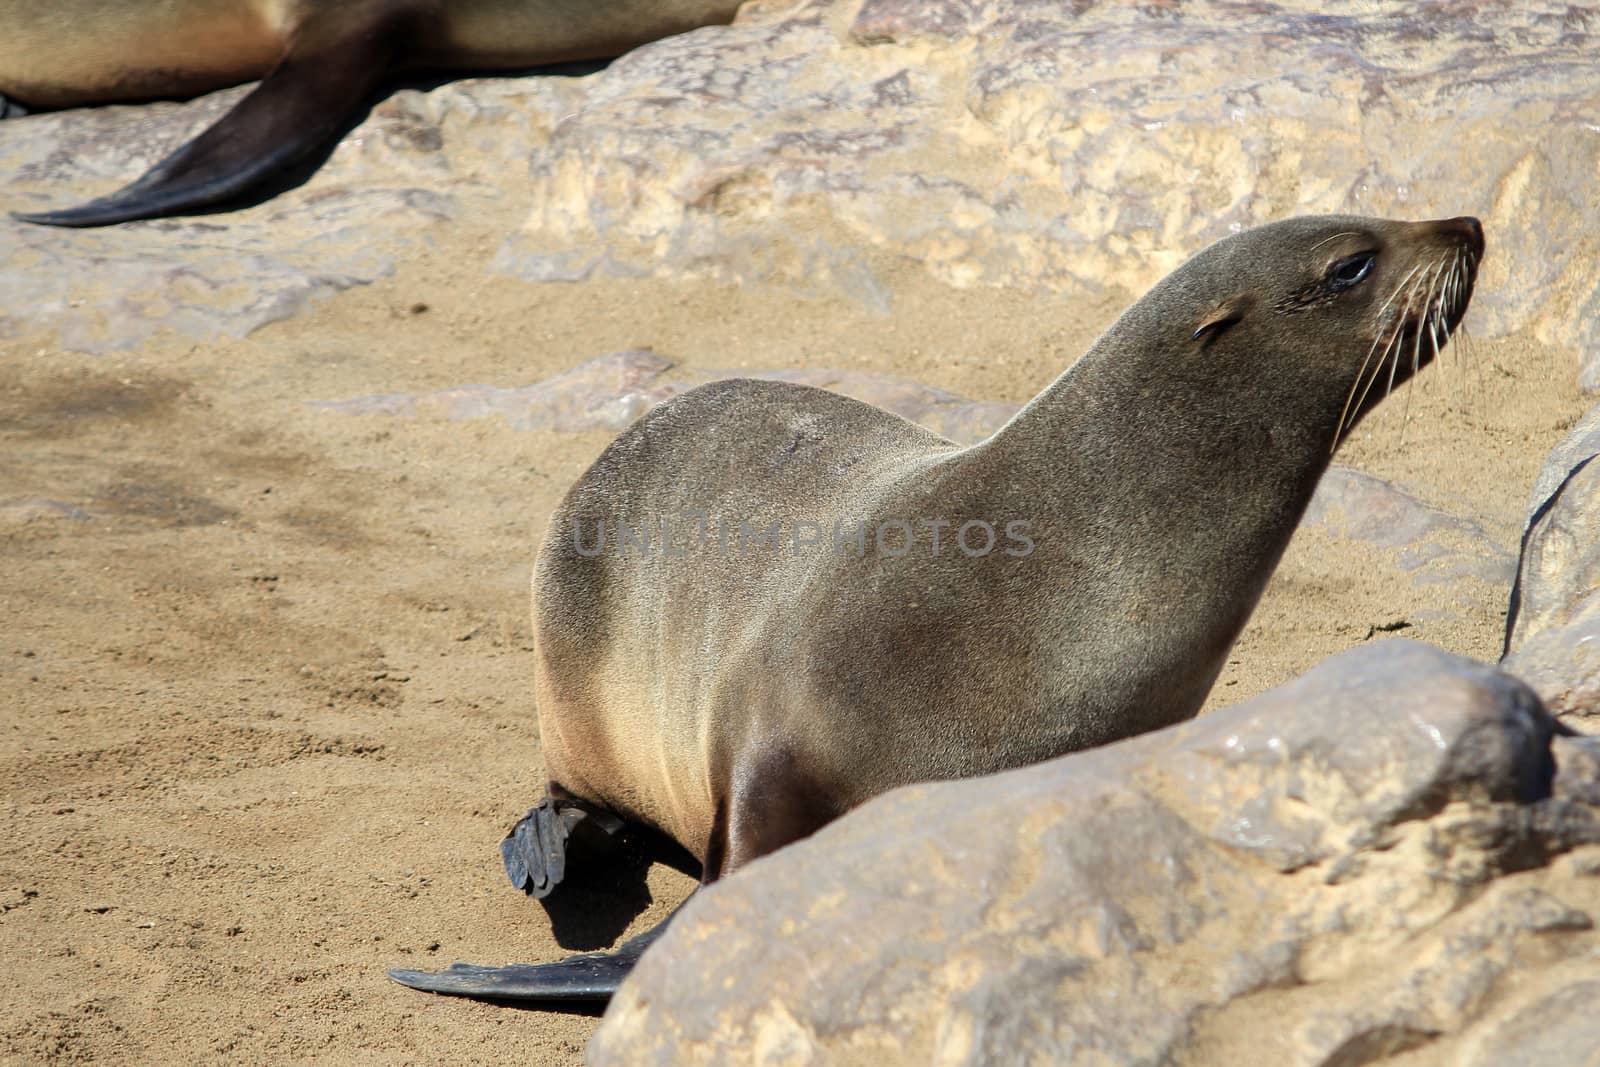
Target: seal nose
[1465,226]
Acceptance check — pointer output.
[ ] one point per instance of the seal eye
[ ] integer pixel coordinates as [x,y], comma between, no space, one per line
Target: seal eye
[1351,270]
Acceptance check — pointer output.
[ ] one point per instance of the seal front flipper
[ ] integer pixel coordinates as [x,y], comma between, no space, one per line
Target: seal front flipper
[535,851]
[10,109]
[593,976]
[330,66]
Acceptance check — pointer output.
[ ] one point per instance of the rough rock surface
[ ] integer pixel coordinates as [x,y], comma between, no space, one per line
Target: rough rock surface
[1015,142]
[610,391]
[1427,543]
[993,143]
[419,160]
[1553,630]
[252,633]
[1344,868]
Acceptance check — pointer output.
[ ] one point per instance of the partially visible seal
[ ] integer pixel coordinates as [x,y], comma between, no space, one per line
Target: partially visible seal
[765,604]
[318,61]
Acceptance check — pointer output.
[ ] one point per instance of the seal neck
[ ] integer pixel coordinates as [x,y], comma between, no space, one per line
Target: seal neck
[1150,439]
[1266,414]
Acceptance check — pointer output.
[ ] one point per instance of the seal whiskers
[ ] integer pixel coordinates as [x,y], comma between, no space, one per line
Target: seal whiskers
[1361,371]
[1405,316]
[1431,278]
[1432,299]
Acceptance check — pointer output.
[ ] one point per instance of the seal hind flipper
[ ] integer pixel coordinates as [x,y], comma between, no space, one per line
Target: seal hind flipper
[535,851]
[589,977]
[329,68]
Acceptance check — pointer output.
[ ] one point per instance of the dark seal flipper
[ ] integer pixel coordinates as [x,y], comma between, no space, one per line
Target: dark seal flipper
[590,977]
[329,69]
[10,109]
[535,851]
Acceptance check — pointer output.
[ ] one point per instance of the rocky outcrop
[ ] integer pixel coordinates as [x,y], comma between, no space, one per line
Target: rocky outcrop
[1344,868]
[1079,148]
[1553,627]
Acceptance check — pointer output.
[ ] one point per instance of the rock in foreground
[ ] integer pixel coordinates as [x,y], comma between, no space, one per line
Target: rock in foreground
[1341,869]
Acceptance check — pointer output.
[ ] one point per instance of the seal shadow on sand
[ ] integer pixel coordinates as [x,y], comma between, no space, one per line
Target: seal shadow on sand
[612,887]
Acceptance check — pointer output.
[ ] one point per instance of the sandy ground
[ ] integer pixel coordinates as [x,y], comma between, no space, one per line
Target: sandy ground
[266,671]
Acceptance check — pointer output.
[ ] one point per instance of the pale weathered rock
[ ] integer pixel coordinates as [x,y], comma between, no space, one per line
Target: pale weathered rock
[610,391]
[418,160]
[1561,1027]
[606,392]
[1581,442]
[1553,627]
[1429,544]
[1345,846]
[1082,148]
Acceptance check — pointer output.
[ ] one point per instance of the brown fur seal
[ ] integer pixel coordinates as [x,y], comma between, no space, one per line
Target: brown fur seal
[318,60]
[804,638]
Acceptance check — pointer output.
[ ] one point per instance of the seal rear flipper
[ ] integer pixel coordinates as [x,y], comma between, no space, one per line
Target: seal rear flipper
[331,65]
[593,976]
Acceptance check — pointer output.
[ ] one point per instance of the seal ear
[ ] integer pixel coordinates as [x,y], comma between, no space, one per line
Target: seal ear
[1224,315]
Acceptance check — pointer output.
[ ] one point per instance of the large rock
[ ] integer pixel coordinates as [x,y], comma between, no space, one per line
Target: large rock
[1083,148]
[1553,627]
[612,390]
[1343,868]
